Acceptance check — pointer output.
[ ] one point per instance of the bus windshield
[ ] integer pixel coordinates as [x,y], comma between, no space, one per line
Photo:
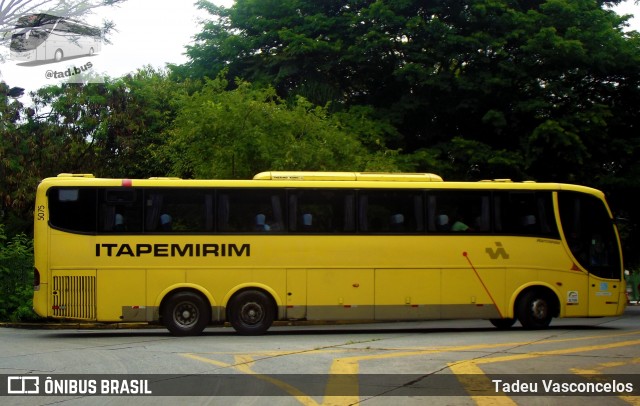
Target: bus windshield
[590,234]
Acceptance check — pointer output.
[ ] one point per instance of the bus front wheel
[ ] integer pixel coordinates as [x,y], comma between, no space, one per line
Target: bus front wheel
[58,55]
[186,313]
[534,310]
[251,312]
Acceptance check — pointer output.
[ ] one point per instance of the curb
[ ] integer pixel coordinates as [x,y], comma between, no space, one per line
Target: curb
[78,326]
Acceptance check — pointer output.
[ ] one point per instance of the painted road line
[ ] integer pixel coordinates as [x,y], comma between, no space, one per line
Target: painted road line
[471,366]
[351,366]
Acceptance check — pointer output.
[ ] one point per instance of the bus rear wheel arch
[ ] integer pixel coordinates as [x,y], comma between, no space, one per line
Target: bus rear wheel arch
[536,307]
[251,312]
[186,313]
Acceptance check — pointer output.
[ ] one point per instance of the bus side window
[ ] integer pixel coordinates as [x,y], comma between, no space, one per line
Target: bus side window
[120,210]
[250,210]
[459,211]
[320,211]
[525,213]
[73,209]
[391,211]
[178,210]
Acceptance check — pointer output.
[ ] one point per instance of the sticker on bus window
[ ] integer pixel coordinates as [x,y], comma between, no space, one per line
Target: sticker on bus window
[572,297]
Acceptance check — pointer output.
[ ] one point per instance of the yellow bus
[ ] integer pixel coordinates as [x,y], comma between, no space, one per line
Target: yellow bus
[322,246]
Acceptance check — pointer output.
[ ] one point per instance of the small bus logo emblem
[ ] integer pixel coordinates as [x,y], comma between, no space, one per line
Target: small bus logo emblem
[498,252]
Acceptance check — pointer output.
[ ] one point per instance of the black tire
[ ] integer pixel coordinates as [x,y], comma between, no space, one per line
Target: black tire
[251,312]
[534,310]
[186,314]
[58,55]
[503,324]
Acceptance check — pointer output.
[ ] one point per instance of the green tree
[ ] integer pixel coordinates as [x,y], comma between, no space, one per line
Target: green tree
[16,277]
[238,133]
[114,128]
[548,80]
[17,159]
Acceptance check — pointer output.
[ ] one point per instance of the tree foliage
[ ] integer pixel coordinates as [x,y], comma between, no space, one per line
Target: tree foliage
[16,277]
[551,81]
[237,133]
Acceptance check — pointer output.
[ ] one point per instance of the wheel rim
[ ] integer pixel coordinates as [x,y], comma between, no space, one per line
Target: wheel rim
[539,309]
[185,314]
[251,313]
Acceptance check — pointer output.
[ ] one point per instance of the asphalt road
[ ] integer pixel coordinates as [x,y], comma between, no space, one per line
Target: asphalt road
[438,362]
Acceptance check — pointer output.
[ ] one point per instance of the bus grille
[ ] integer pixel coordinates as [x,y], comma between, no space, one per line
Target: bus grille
[74,297]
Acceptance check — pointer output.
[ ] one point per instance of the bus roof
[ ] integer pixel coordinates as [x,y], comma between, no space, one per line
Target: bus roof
[316,180]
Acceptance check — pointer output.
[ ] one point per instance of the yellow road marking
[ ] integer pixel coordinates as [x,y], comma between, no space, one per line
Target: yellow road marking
[351,367]
[598,369]
[242,363]
[471,366]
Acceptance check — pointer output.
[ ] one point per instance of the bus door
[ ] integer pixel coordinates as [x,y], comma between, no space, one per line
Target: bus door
[605,290]
[592,239]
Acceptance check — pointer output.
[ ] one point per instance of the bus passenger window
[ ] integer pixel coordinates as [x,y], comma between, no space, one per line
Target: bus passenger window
[73,209]
[321,211]
[178,210]
[120,211]
[250,210]
[525,213]
[391,211]
[459,211]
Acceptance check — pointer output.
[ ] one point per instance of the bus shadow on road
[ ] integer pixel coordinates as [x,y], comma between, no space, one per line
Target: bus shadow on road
[315,331]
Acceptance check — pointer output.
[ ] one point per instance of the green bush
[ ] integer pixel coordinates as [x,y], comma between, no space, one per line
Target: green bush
[16,277]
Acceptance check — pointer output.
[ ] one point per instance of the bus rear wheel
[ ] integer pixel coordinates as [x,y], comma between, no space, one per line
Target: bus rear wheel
[251,312]
[534,310]
[186,314]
